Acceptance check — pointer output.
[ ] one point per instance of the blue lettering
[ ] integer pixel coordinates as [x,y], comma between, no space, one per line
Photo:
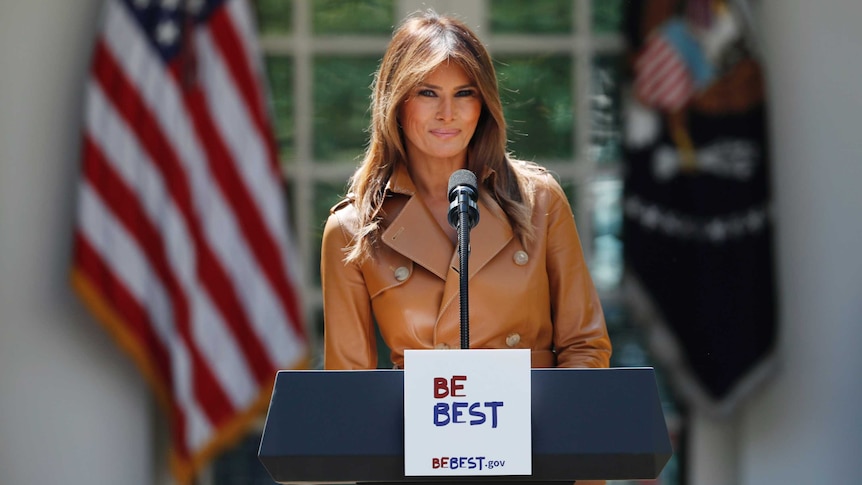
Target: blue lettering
[457,411]
[465,462]
[494,405]
[479,415]
[441,409]
[444,414]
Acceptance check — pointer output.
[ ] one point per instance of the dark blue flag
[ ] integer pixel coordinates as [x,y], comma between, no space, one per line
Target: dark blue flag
[697,217]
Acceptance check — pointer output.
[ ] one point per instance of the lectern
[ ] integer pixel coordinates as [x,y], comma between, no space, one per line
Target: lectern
[348,426]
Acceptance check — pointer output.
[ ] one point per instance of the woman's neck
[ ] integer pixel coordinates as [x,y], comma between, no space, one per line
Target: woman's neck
[432,179]
[432,183]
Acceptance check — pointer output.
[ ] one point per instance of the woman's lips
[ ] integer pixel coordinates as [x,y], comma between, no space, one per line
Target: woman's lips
[445,133]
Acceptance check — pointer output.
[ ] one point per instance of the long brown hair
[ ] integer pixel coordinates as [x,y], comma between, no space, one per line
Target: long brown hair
[420,44]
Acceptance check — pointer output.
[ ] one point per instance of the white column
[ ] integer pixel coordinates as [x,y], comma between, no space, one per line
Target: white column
[805,427]
[712,451]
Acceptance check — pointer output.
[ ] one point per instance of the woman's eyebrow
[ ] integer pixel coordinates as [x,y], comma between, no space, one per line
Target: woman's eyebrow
[434,86]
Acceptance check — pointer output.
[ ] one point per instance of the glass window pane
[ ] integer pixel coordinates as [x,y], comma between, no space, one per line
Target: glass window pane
[326,195]
[353,16]
[293,208]
[606,266]
[531,16]
[607,206]
[279,71]
[537,99]
[317,331]
[570,188]
[607,16]
[273,16]
[341,98]
[605,103]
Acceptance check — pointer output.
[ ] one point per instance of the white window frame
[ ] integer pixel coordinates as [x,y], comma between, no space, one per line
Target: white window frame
[300,45]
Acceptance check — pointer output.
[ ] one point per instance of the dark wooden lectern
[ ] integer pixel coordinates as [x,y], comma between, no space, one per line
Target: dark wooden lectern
[348,426]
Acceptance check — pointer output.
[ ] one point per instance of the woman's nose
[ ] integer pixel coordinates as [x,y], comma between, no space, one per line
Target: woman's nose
[446,109]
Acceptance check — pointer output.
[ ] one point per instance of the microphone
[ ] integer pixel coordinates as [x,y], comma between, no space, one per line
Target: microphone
[462,198]
[463,215]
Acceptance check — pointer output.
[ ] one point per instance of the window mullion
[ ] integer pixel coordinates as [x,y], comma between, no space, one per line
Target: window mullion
[302,168]
[582,53]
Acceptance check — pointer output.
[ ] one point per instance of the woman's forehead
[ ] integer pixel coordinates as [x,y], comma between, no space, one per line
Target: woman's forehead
[448,71]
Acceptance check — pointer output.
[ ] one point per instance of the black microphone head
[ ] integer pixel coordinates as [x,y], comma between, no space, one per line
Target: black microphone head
[463,182]
[463,178]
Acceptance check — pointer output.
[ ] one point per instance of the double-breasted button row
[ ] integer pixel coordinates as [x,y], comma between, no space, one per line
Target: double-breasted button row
[512,340]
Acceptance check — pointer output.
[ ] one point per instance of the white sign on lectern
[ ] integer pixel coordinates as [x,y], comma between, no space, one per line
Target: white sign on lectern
[467,412]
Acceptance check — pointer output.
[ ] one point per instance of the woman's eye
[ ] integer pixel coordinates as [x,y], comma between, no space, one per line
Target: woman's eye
[427,92]
[465,93]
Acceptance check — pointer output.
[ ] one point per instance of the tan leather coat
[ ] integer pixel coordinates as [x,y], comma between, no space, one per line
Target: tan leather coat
[539,297]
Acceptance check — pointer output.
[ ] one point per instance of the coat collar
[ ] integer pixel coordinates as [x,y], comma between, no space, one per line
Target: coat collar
[414,232]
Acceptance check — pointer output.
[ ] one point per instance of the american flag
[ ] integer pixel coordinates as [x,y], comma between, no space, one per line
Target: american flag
[181,245]
[661,80]
[670,67]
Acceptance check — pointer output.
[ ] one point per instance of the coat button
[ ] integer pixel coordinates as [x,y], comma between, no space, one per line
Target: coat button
[513,339]
[521,258]
[402,273]
[442,346]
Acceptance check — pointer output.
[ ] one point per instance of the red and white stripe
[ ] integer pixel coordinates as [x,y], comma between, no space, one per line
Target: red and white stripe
[661,79]
[181,245]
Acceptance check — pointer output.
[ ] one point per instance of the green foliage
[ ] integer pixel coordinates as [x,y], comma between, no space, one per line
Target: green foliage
[279,71]
[538,102]
[341,99]
[326,195]
[332,17]
[531,16]
[608,15]
[274,16]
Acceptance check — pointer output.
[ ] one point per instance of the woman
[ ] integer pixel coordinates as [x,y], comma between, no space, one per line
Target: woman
[389,254]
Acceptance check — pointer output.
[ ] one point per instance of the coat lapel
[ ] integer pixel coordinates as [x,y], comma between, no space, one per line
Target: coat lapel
[488,238]
[414,233]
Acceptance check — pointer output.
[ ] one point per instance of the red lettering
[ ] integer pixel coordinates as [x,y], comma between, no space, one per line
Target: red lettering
[444,388]
[441,388]
[458,387]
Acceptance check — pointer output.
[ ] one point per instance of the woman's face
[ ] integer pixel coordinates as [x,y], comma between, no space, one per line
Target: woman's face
[440,115]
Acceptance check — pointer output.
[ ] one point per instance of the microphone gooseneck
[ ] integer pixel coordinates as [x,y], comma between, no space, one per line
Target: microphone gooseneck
[463,216]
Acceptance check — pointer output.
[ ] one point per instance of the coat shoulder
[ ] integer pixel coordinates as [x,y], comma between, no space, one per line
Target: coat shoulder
[540,185]
[345,217]
[343,204]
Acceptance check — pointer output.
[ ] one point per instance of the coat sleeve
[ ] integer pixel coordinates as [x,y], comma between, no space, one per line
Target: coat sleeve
[349,337]
[580,335]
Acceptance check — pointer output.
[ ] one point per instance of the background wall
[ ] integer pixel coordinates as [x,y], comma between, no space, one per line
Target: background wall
[73,409]
[805,428]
